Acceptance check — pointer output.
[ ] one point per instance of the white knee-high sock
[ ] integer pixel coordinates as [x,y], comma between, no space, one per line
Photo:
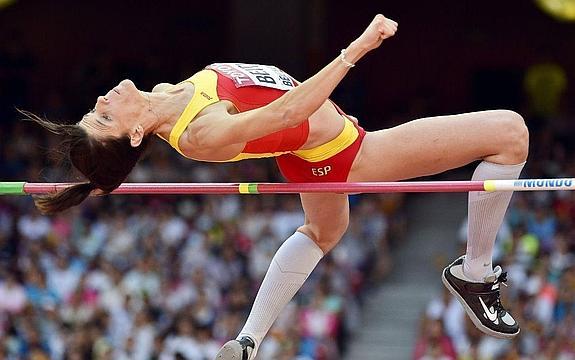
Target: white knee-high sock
[486,211]
[290,267]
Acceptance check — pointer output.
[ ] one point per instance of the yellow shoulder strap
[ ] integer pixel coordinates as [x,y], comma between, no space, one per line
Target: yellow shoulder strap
[205,93]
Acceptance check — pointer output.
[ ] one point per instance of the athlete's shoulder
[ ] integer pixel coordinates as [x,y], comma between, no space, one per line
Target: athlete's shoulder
[161,87]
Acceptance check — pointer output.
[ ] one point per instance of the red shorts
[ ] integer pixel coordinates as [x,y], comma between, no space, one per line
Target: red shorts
[334,169]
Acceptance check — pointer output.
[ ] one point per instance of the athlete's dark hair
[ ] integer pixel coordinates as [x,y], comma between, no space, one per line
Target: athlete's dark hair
[104,162]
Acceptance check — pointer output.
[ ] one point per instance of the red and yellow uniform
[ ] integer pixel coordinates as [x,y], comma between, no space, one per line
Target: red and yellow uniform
[248,87]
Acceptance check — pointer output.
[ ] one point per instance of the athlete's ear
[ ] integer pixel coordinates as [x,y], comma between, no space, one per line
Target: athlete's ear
[136,135]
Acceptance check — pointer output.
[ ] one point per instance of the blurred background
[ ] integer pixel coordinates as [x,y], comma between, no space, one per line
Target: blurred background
[128,277]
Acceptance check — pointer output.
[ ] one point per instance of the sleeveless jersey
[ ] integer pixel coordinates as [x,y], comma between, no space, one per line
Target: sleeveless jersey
[247,87]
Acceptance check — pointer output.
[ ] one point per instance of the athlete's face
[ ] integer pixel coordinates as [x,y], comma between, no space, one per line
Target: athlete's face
[117,113]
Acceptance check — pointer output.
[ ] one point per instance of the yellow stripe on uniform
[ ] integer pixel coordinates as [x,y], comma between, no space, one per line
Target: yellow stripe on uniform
[205,93]
[244,156]
[322,152]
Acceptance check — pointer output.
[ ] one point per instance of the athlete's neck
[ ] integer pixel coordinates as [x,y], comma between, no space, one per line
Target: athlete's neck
[165,108]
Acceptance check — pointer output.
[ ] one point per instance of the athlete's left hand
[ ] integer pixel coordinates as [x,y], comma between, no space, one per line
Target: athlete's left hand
[379,29]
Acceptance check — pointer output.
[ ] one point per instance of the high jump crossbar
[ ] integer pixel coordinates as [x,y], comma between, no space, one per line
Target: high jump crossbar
[25,188]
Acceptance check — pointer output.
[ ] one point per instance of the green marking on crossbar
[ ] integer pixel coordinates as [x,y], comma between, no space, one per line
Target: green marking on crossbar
[12,188]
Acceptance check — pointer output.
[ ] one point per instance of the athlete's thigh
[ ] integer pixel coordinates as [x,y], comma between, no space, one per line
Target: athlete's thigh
[428,146]
[326,215]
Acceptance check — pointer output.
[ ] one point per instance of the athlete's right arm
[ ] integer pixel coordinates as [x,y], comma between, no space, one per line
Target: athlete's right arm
[295,106]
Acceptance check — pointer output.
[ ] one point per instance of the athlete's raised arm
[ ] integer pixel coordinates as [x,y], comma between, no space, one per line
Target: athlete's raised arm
[289,110]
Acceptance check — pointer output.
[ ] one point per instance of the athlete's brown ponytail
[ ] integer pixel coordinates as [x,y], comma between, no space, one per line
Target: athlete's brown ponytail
[62,200]
[105,162]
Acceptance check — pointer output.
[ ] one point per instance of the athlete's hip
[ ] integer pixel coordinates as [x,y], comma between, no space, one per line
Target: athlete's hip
[331,162]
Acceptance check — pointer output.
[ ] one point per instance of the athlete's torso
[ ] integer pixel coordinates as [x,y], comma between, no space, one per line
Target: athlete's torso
[236,88]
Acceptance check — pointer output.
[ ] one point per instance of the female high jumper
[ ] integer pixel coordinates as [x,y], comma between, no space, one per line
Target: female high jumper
[233,111]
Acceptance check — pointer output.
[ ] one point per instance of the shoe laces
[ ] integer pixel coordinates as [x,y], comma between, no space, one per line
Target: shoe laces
[502,279]
[497,277]
[248,345]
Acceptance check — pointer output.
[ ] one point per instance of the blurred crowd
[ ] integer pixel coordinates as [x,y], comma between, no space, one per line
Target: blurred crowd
[536,246]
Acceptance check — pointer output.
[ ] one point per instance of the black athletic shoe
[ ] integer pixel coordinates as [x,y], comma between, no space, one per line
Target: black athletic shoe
[241,349]
[481,300]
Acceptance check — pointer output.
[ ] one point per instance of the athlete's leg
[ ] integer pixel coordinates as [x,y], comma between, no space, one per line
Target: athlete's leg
[433,145]
[327,217]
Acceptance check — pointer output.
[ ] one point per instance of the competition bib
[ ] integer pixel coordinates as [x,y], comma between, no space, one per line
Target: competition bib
[254,75]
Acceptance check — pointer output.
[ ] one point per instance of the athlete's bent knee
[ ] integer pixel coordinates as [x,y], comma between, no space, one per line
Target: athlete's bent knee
[517,136]
[326,237]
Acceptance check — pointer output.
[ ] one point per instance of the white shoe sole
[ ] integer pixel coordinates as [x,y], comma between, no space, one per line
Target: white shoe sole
[232,350]
[472,315]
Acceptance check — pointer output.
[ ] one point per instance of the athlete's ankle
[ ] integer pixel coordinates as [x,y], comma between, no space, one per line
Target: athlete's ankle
[476,270]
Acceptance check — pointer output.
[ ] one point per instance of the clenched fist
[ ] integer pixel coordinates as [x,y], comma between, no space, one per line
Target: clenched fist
[378,30]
